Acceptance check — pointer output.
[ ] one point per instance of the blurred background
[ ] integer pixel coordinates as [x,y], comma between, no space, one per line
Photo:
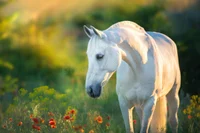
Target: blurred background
[43,43]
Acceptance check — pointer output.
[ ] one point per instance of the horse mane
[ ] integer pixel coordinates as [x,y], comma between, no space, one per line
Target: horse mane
[128,23]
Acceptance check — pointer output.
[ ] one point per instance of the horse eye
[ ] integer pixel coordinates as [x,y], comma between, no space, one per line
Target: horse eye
[99,56]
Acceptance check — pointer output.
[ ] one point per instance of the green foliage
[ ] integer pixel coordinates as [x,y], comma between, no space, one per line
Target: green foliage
[8,84]
[33,50]
[37,108]
[44,97]
[190,118]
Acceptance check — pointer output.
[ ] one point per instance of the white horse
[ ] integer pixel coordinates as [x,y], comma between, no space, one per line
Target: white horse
[148,74]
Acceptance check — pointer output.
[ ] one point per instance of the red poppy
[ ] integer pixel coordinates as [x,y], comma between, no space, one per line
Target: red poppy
[72,111]
[108,117]
[20,123]
[51,119]
[67,117]
[53,126]
[36,127]
[4,126]
[99,119]
[10,119]
[107,124]
[41,120]
[80,127]
[31,116]
[189,117]
[35,120]
[52,123]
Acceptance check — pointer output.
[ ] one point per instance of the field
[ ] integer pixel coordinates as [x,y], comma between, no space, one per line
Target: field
[43,63]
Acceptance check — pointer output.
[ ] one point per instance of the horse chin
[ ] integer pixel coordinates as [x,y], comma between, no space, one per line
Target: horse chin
[95,95]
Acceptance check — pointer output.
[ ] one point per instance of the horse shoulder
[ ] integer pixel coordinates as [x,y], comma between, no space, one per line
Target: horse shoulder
[134,92]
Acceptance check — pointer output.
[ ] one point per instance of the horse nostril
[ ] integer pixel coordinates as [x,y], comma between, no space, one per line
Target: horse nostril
[91,91]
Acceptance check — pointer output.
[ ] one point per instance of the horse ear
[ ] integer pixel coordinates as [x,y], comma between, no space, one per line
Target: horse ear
[98,32]
[89,32]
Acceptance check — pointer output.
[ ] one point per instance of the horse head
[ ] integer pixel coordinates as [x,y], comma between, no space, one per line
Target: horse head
[104,57]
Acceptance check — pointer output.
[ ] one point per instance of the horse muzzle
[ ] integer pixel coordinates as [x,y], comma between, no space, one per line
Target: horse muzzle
[94,90]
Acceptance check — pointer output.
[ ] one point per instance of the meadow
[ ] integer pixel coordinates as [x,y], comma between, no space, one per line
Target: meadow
[43,63]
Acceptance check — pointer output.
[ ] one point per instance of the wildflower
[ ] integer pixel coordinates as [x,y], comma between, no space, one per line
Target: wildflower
[67,117]
[82,131]
[20,123]
[107,124]
[108,117]
[71,119]
[53,126]
[31,116]
[41,120]
[99,119]
[35,120]
[36,127]
[4,126]
[134,121]
[72,111]
[52,123]
[51,119]
[50,114]
[189,117]
[80,127]
[91,131]
[10,119]
[76,128]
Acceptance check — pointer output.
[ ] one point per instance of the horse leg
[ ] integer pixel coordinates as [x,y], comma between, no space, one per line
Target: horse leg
[127,115]
[148,110]
[173,105]
[139,113]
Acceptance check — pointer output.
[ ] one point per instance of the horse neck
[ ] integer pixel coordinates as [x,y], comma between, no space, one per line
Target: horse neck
[133,44]
[134,52]
[132,58]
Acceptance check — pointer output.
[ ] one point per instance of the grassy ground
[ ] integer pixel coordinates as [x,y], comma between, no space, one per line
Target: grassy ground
[46,110]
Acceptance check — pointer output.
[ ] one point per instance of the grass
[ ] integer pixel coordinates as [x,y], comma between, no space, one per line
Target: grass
[46,110]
